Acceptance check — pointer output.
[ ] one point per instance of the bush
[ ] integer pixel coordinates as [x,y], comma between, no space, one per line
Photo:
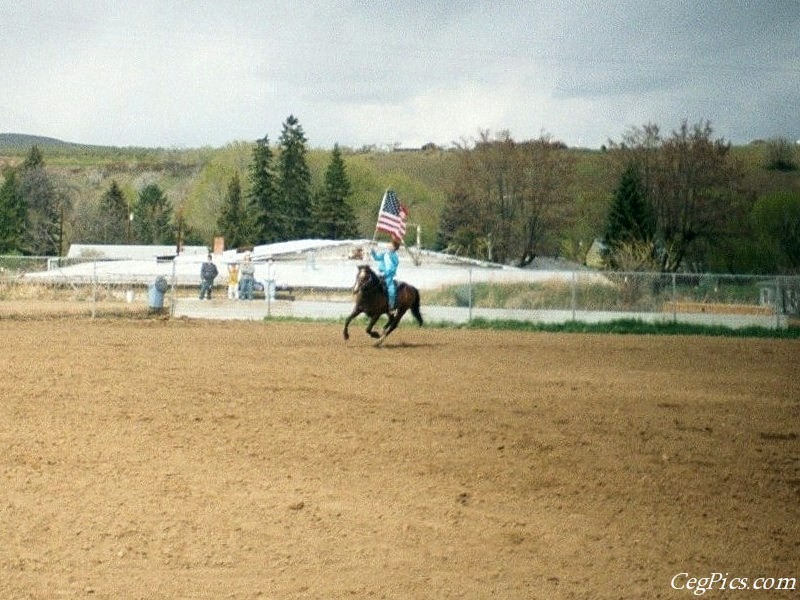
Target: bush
[781,155]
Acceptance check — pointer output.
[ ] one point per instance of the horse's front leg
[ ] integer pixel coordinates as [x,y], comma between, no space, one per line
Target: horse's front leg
[370,325]
[353,315]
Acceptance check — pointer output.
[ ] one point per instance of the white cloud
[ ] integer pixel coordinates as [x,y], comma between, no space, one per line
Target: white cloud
[193,73]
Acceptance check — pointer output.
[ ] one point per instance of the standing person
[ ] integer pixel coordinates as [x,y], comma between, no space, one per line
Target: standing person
[387,264]
[208,273]
[247,278]
[233,281]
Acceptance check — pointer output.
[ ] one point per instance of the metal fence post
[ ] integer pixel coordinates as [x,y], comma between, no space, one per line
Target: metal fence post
[172,288]
[674,299]
[573,292]
[268,295]
[469,297]
[94,288]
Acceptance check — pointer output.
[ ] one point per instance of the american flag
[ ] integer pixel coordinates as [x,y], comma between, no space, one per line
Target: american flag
[392,216]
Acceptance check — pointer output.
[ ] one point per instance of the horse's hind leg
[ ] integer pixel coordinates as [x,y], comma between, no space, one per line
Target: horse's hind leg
[391,325]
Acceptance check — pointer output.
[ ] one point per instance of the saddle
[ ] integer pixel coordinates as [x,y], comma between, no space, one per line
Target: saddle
[384,287]
[382,283]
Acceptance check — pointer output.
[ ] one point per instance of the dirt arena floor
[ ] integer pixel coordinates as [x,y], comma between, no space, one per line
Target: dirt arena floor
[158,458]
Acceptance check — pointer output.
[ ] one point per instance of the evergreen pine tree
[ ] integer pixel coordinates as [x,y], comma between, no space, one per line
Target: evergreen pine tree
[43,207]
[113,216]
[630,219]
[34,160]
[333,217]
[262,211]
[152,214]
[12,214]
[294,182]
[233,223]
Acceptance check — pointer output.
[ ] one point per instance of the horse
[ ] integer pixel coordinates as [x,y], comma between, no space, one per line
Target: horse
[372,300]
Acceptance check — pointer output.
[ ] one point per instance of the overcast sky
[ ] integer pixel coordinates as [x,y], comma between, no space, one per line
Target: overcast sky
[177,74]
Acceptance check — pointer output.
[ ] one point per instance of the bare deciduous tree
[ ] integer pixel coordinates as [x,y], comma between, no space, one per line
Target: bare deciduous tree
[689,180]
[507,198]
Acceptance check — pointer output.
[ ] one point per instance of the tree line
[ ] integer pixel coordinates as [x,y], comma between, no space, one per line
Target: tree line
[679,204]
[657,201]
[281,205]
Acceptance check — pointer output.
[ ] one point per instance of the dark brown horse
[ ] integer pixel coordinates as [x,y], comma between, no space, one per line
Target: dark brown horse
[371,299]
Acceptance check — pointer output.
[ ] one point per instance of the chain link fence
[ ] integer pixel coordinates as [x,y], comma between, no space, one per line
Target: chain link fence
[591,296]
[30,285]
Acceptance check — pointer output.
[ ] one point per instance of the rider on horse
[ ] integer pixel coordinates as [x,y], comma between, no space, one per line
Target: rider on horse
[387,265]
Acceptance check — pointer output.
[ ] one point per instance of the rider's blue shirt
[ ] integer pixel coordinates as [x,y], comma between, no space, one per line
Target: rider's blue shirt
[387,262]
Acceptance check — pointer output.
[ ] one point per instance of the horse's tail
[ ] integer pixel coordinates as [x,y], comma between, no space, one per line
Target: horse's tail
[415,307]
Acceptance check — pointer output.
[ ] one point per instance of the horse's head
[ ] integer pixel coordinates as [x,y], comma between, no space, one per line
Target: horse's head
[364,278]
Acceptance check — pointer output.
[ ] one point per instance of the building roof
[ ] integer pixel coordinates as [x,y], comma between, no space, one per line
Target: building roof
[321,264]
[129,251]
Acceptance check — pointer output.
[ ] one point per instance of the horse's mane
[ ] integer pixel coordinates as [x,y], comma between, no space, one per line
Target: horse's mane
[373,276]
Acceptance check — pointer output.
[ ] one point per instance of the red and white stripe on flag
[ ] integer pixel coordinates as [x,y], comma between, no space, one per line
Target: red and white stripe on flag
[392,216]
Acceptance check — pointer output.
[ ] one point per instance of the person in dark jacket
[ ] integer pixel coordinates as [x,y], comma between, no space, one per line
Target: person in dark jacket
[208,273]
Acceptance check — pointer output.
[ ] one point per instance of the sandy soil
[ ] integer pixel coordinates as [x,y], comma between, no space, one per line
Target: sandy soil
[144,458]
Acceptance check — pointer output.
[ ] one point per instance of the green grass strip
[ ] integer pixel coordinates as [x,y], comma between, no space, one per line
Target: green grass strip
[635,327]
[620,326]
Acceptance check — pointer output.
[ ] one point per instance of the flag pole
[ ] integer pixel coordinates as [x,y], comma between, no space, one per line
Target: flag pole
[380,210]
